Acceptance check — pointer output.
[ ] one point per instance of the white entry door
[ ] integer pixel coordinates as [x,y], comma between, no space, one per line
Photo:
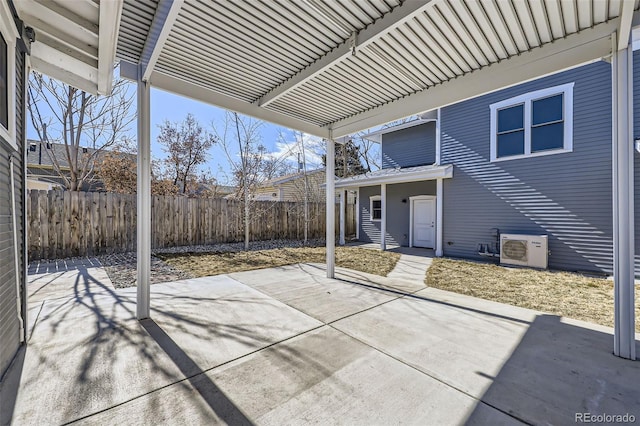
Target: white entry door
[424,222]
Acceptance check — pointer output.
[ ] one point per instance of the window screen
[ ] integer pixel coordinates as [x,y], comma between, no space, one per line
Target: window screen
[547,125]
[376,209]
[511,131]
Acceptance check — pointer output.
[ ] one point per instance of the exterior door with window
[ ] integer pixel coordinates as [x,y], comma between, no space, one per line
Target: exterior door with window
[424,222]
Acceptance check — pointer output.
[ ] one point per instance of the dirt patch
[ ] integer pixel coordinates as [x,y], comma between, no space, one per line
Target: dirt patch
[206,264]
[559,293]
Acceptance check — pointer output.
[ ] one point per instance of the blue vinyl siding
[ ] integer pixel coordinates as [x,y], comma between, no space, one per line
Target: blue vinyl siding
[413,146]
[566,196]
[369,231]
[9,293]
[397,211]
[636,135]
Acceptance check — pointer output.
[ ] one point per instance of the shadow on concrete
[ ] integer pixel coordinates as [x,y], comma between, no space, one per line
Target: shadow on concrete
[427,299]
[212,394]
[559,370]
[90,343]
[10,385]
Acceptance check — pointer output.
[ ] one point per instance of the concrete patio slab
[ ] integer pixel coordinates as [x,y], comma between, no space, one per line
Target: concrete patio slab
[321,377]
[89,349]
[79,278]
[289,346]
[310,291]
[217,319]
[536,367]
[321,298]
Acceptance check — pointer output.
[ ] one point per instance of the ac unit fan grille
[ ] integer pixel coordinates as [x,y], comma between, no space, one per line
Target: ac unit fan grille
[515,249]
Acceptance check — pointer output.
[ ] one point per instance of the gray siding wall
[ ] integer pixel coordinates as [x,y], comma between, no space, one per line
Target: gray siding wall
[9,295]
[397,211]
[636,135]
[414,146]
[369,231]
[566,196]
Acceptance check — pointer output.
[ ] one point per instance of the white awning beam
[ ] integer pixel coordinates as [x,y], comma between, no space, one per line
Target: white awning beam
[397,17]
[163,20]
[212,97]
[626,21]
[110,13]
[588,45]
[63,67]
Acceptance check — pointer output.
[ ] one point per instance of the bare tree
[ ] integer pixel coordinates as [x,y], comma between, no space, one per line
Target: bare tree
[368,152]
[85,124]
[246,162]
[187,146]
[118,172]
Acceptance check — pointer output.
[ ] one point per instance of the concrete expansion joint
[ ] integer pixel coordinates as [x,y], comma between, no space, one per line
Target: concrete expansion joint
[436,378]
[193,376]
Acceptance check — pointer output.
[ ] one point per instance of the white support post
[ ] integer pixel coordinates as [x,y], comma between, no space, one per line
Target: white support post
[438,138]
[383,219]
[144,199]
[439,211]
[331,207]
[358,214]
[343,205]
[623,196]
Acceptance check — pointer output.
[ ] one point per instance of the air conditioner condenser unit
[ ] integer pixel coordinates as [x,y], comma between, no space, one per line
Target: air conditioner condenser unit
[524,250]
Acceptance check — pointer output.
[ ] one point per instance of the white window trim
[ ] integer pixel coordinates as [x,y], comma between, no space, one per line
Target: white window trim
[10,34]
[371,200]
[526,99]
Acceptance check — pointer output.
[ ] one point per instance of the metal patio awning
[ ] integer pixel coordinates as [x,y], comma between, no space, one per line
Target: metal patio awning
[75,40]
[321,66]
[331,68]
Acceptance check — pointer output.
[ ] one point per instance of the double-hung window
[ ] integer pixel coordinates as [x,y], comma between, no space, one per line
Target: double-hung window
[375,208]
[4,83]
[8,34]
[533,124]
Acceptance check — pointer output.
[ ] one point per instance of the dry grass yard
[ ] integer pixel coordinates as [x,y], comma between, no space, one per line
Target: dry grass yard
[559,293]
[206,264]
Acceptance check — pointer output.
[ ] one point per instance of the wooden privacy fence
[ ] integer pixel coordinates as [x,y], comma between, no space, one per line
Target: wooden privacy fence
[66,224]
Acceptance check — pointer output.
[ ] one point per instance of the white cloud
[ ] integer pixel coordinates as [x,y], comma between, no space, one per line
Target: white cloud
[289,149]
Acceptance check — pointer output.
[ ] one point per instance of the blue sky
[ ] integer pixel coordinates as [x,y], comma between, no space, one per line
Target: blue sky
[167,106]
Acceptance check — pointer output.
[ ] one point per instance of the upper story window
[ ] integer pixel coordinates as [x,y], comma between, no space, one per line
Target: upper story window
[375,208]
[8,35]
[533,124]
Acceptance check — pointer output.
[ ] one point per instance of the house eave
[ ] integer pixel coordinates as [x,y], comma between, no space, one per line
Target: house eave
[432,173]
[377,135]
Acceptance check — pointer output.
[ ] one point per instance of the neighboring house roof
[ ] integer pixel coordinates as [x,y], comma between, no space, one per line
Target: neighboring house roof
[225,189]
[43,153]
[40,164]
[287,178]
[397,175]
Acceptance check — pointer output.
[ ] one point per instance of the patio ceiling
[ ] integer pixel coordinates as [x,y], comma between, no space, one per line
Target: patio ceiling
[76,40]
[329,67]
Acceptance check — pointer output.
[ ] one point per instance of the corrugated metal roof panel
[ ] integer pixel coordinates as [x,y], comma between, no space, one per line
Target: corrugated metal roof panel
[246,49]
[137,16]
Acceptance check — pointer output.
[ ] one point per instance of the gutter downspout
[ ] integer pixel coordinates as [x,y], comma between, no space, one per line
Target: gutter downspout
[15,246]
